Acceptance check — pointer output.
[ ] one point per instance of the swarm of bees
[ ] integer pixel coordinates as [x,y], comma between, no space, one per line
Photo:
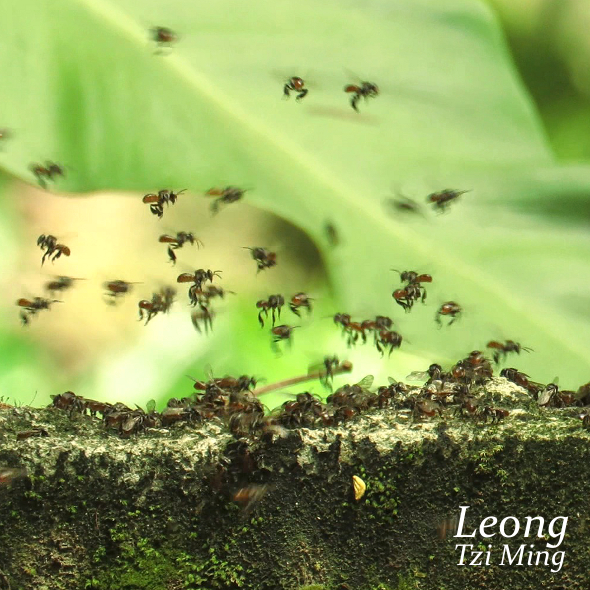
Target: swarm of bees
[233,399]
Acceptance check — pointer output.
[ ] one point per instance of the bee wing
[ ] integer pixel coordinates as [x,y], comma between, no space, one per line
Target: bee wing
[544,397]
[366,382]
[417,376]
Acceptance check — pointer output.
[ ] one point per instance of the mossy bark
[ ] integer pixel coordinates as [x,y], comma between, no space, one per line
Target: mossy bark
[155,511]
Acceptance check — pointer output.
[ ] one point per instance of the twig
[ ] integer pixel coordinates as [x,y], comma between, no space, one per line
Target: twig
[345,367]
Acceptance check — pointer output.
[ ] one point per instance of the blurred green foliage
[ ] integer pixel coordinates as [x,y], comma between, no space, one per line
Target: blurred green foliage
[548,39]
[514,252]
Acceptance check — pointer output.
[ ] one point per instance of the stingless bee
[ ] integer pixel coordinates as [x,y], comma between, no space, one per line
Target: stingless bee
[33,306]
[225,196]
[50,245]
[364,90]
[46,172]
[163,37]
[176,242]
[295,84]
[157,201]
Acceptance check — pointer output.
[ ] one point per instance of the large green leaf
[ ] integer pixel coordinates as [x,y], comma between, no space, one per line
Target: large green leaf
[86,89]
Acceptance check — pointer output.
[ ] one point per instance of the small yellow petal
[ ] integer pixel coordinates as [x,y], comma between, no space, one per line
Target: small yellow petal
[359,487]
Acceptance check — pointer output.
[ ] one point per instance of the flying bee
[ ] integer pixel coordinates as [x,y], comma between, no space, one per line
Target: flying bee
[326,370]
[264,258]
[116,289]
[50,245]
[177,242]
[282,332]
[442,200]
[404,204]
[163,37]
[331,234]
[387,338]
[33,306]
[198,278]
[300,300]
[10,474]
[451,309]
[250,495]
[203,297]
[364,90]
[157,201]
[61,284]
[295,84]
[46,172]
[502,349]
[205,316]
[161,302]
[274,303]
[225,196]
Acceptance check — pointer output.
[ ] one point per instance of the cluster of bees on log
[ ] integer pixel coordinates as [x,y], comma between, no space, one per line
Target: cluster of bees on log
[232,399]
[459,392]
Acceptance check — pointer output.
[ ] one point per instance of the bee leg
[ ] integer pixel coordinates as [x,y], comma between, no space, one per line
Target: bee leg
[260,319]
[354,101]
[302,94]
[171,255]
[294,310]
[286,93]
